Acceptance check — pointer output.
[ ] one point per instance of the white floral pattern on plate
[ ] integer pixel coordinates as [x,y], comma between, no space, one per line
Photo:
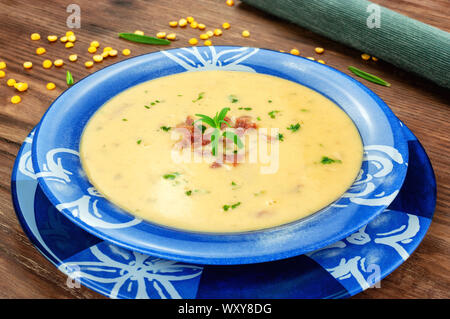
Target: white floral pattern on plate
[133,274]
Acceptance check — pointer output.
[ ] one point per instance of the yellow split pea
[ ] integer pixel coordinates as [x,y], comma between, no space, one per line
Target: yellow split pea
[21,86]
[126,52]
[47,64]
[171,36]
[40,51]
[35,36]
[50,86]
[16,99]
[27,65]
[97,58]
[58,62]
[161,35]
[52,38]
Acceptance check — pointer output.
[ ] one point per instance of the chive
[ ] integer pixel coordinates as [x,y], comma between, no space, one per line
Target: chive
[328,160]
[147,107]
[69,78]
[280,137]
[294,128]
[369,77]
[165,128]
[124,120]
[143,39]
[245,108]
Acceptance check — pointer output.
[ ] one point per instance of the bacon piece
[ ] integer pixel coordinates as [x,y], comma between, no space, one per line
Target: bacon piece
[216,165]
[245,122]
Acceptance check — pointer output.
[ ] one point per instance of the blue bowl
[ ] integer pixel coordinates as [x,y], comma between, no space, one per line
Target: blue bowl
[60,174]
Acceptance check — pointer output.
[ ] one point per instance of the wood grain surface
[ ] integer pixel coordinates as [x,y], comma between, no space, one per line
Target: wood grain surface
[423,106]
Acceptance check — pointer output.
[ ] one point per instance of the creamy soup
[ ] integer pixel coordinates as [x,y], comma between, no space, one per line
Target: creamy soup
[287,153]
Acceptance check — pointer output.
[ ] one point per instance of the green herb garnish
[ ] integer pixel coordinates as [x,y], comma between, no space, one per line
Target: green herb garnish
[171,176]
[165,128]
[143,39]
[245,108]
[272,113]
[233,98]
[147,107]
[294,128]
[124,120]
[139,142]
[69,78]
[280,137]
[227,207]
[200,96]
[188,193]
[216,123]
[369,77]
[328,160]
[258,118]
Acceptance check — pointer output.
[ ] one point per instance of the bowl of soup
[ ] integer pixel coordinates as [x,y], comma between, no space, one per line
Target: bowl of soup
[220,155]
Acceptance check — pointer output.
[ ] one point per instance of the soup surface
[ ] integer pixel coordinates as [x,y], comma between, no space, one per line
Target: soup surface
[289,152]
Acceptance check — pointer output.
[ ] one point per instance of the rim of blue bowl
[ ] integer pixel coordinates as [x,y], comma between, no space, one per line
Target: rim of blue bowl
[279,242]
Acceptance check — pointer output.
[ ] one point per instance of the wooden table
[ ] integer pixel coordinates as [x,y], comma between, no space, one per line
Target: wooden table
[423,106]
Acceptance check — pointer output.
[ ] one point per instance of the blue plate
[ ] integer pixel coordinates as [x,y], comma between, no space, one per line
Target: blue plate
[62,179]
[340,270]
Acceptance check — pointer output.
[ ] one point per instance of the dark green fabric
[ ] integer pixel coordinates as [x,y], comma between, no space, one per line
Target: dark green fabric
[402,41]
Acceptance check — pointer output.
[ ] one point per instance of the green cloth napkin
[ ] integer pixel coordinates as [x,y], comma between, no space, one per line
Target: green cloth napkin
[407,43]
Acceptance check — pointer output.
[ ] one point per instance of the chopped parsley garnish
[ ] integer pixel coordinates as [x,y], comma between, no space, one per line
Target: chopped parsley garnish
[328,160]
[272,113]
[233,98]
[245,108]
[188,193]
[165,128]
[147,107]
[270,101]
[280,137]
[124,120]
[304,110]
[294,128]
[171,176]
[235,186]
[258,118]
[200,96]
[139,142]
[227,207]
